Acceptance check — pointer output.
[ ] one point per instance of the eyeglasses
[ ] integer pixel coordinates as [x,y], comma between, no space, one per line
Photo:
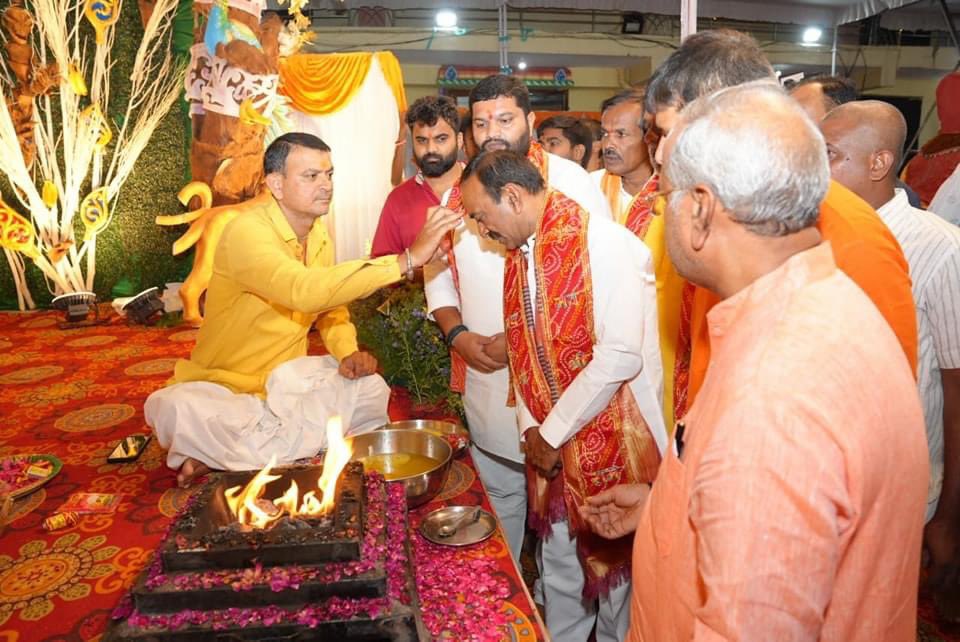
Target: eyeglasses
[658,201]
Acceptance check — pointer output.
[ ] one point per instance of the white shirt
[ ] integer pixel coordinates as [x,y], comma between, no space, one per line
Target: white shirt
[932,249]
[480,264]
[946,202]
[627,347]
[623,203]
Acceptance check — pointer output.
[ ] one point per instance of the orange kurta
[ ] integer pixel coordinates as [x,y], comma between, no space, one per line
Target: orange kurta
[865,250]
[795,510]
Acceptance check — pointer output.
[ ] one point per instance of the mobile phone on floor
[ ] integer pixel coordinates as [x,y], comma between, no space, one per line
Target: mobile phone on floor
[129,449]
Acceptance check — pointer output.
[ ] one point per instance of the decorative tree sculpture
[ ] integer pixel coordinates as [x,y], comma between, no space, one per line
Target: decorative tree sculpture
[62,155]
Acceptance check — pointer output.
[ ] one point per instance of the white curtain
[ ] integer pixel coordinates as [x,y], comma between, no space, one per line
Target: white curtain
[362,137]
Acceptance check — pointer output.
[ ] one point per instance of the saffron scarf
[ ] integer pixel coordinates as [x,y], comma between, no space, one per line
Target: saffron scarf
[639,212]
[549,342]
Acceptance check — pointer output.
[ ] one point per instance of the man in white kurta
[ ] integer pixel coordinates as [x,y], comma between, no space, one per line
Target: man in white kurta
[625,355]
[500,110]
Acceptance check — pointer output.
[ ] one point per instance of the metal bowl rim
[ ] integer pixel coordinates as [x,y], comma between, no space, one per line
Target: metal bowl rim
[446,460]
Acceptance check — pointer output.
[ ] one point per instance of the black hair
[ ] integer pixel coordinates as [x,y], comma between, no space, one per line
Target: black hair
[705,62]
[497,168]
[593,125]
[492,87]
[573,130]
[632,95]
[837,90]
[275,158]
[429,109]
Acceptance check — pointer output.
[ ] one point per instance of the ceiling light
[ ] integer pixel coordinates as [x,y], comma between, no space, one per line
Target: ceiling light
[522,65]
[812,35]
[446,19]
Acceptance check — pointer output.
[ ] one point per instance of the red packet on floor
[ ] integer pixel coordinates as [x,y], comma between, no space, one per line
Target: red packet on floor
[91,503]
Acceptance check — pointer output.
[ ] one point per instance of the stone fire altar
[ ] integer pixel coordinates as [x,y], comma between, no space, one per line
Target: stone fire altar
[340,575]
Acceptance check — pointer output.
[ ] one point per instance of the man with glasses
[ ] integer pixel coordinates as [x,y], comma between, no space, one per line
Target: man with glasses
[790,504]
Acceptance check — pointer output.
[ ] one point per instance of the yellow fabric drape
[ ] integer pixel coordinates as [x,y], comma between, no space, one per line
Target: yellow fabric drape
[320,84]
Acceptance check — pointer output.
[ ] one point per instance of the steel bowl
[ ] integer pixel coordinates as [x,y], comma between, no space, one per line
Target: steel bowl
[422,487]
[452,432]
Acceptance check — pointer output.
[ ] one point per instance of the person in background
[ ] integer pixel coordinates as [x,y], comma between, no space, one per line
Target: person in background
[466,130]
[819,94]
[946,203]
[434,124]
[863,247]
[864,143]
[566,137]
[596,160]
[790,506]
[938,157]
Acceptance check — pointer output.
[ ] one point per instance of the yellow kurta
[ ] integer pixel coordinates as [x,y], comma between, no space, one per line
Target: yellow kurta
[669,293]
[669,288]
[262,299]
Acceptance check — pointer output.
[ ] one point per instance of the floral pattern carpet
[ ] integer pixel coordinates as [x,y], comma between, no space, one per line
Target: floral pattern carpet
[74,394]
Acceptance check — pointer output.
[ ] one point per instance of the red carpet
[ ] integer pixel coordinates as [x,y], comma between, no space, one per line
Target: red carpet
[73,394]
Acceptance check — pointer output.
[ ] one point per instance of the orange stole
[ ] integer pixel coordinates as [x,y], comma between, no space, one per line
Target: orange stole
[639,213]
[549,343]
[458,365]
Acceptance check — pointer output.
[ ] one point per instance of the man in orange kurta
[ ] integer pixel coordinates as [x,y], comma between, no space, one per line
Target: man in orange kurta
[864,249]
[791,505]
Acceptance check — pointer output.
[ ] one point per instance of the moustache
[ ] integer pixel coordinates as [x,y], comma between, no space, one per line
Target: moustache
[491,142]
[431,158]
[611,155]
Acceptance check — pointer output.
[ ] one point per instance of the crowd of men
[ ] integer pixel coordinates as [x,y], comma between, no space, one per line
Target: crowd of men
[718,377]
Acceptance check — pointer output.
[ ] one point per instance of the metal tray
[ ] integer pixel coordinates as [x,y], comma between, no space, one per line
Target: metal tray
[466,535]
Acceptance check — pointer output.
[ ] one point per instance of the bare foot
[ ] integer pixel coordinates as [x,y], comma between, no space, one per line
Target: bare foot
[190,470]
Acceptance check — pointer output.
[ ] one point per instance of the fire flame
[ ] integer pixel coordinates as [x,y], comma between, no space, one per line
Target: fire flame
[251,509]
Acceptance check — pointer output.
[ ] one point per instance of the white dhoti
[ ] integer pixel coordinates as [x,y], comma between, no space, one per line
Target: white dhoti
[229,431]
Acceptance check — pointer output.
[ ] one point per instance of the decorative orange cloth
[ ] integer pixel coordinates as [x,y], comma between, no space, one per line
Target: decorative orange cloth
[549,342]
[458,365]
[865,250]
[321,84]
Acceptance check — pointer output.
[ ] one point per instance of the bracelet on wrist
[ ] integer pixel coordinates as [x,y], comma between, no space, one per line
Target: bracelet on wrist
[409,272]
[455,331]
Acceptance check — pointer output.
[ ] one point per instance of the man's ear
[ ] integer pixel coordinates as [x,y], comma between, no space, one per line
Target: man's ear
[459,141]
[705,206]
[511,194]
[274,182]
[881,164]
[578,151]
[531,121]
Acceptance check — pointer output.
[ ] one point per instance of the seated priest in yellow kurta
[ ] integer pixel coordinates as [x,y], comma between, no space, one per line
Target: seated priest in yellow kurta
[248,392]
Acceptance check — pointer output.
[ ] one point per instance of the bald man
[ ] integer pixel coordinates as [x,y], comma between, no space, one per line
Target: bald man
[864,144]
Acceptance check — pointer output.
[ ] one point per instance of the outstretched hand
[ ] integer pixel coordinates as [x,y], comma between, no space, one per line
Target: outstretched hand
[615,512]
[431,243]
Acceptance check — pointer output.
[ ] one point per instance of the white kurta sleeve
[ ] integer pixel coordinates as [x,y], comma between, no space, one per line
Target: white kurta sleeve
[620,265]
[439,288]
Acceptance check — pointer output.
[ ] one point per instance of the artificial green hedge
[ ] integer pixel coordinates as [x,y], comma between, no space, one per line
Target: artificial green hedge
[133,251]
